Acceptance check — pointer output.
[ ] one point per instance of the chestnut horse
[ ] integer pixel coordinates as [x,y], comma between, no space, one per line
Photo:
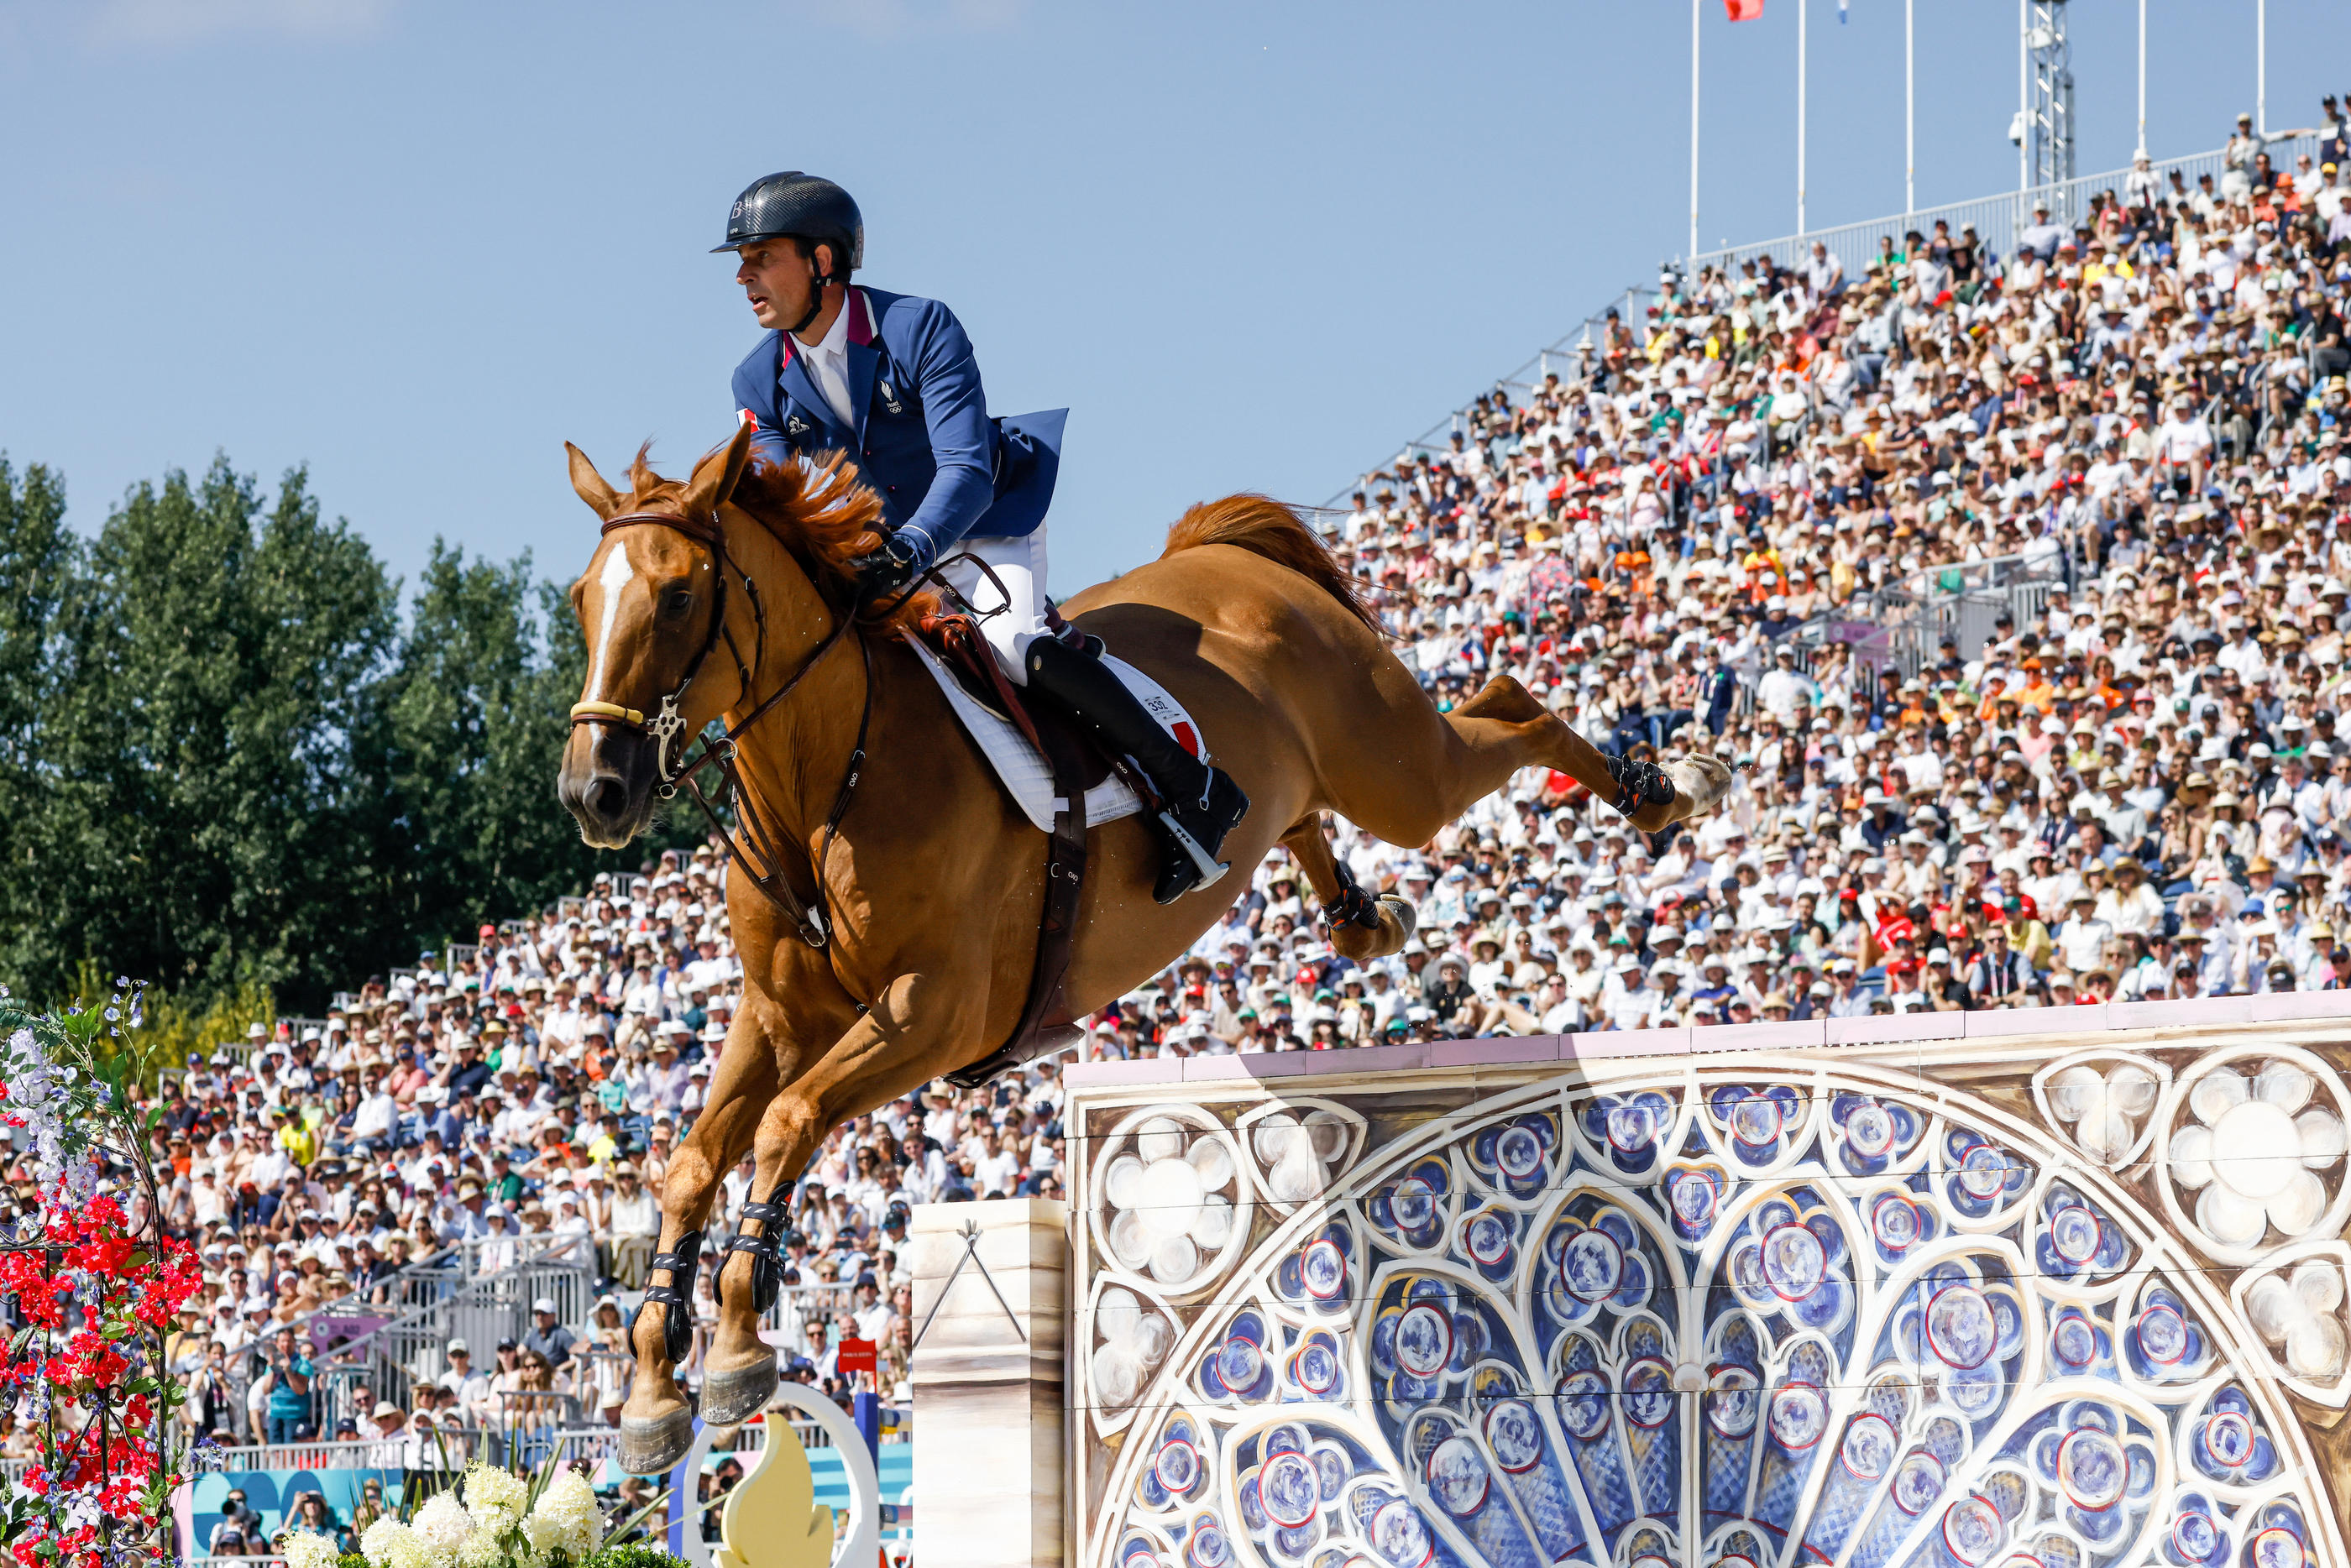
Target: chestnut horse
[929,888]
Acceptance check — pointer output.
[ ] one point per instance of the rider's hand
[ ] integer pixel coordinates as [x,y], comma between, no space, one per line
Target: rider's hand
[883,572]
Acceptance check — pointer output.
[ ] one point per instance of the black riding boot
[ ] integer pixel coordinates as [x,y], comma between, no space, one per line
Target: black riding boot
[1199,803]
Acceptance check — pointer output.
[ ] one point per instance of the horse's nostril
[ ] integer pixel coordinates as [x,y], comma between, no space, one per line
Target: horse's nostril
[607,799]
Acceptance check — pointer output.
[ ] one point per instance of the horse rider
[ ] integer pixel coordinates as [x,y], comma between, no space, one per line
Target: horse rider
[891,380]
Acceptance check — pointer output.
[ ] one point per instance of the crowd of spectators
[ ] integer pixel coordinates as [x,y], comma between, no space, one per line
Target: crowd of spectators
[1722,532]
[1707,536]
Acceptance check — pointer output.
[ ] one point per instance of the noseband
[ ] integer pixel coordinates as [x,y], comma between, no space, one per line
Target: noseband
[757,854]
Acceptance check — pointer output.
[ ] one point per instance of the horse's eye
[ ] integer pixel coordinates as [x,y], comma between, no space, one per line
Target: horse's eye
[677,603]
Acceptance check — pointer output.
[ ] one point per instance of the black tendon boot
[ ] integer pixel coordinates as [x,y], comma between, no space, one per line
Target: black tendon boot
[1638,784]
[1199,803]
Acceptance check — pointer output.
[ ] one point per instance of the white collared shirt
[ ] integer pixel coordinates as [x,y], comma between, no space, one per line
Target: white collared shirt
[827,363]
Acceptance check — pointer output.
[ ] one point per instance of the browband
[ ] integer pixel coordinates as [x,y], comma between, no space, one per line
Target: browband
[700,532]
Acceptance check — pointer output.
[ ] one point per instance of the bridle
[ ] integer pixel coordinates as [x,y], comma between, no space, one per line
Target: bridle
[758,852]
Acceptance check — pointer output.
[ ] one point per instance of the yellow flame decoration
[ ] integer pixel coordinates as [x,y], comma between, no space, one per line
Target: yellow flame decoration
[771,1519]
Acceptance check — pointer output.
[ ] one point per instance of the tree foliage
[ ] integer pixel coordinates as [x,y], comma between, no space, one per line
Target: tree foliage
[229,758]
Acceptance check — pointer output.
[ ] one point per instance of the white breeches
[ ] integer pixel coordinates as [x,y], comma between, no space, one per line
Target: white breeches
[1019,566]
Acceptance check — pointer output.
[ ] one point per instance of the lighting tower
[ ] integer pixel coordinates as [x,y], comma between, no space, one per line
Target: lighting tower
[2048,140]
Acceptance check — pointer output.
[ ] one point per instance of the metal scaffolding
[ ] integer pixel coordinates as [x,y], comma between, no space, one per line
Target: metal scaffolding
[2048,107]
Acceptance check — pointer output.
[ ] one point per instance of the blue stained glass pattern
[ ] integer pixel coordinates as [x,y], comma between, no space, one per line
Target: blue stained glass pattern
[1725,1319]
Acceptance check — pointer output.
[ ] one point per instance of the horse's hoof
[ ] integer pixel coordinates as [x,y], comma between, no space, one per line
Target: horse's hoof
[1702,782]
[1359,943]
[652,1448]
[738,1393]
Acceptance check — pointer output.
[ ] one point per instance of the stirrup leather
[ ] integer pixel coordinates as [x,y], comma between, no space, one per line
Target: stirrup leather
[766,1264]
[676,1298]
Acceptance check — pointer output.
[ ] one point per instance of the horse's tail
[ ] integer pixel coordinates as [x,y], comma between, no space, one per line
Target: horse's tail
[1265,527]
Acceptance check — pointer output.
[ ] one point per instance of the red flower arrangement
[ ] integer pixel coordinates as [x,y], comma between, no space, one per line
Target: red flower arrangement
[90,1283]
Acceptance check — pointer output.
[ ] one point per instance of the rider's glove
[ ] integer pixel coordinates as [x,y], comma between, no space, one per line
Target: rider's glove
[883,572]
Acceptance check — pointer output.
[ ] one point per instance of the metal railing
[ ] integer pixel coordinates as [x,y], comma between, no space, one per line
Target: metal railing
[1998,220]
[385,1362]
[1563,354]
[427,1283]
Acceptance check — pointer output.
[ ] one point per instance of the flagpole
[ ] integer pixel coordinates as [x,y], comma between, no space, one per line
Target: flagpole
[1910,110]
[2023,104]
[1801,9]
[1693,232]
[2261,66]
[2142,78]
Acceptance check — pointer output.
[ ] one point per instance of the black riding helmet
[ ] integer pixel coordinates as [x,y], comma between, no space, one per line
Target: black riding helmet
[804,206]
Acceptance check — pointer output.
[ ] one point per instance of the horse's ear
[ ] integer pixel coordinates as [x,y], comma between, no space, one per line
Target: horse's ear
[715,476]
[590,486]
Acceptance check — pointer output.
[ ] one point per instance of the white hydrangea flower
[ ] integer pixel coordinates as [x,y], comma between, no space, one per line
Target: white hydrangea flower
[543,1532]
[494,1498]
[443,1524]
[569,1506]
[308,1549]
[389,1543]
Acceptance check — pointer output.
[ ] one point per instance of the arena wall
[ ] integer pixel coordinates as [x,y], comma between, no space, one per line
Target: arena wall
[1941,1288]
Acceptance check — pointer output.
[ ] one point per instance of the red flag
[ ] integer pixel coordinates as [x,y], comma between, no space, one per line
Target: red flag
[1743,10]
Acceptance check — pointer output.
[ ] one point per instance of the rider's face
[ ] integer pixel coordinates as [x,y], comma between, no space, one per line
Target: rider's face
[778,281]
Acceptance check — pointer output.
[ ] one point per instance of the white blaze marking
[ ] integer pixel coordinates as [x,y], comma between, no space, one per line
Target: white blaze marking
[612,579]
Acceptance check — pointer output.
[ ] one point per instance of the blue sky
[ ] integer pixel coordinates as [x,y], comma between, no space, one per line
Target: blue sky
[417,245]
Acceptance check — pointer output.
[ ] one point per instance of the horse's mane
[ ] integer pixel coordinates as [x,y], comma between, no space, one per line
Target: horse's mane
[819,510]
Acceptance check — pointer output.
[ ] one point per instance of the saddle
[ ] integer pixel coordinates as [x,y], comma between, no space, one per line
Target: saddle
[1077,766]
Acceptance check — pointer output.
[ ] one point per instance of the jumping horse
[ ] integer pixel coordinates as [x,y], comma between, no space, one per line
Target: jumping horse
[887,892]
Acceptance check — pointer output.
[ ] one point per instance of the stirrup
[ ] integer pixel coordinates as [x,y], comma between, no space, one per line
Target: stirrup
[677,1306]
[766,1264]
[1212,869]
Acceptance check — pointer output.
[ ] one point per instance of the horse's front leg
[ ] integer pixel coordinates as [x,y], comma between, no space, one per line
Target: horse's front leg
[657,1421]
[739,1371]
[919,1027]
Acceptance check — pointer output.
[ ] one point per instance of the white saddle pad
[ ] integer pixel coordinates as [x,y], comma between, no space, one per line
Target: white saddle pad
[1022,767]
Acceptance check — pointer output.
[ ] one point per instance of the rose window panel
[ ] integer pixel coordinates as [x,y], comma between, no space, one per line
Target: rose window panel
[1757,1128]
[2297,1303]
[1940,1343]
[1630,1136]
[1168,1200]
[2253,1157]
[2105,1100]
[1298,1148]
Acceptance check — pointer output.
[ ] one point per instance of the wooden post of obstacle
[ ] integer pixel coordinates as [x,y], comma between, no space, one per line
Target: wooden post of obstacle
[990,1292]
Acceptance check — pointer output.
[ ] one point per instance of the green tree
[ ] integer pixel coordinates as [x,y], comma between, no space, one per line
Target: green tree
[471,731]
[39,560]
[227,767]
[201,825]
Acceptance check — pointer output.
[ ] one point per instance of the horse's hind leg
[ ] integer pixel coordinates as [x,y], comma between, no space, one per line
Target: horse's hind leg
[1406,777]
[1425,768]
[1361,925]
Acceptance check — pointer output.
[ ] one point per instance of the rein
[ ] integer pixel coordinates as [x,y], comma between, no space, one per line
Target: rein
[760,851]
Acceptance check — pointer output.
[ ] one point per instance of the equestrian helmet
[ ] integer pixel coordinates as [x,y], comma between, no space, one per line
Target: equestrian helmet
[805,206]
